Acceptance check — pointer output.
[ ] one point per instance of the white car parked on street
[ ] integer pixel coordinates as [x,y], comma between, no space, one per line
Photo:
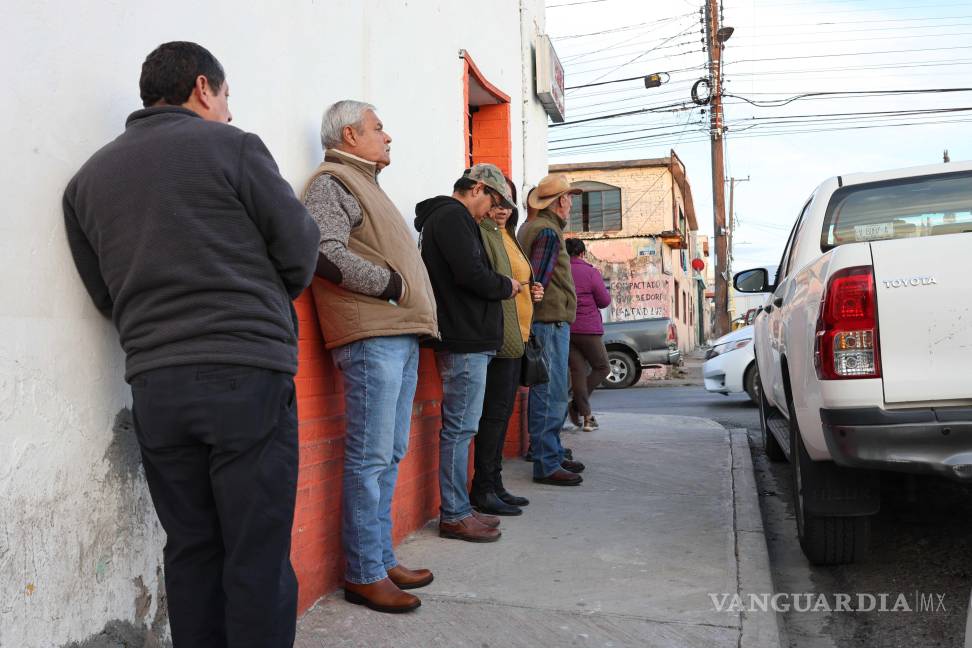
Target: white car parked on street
[864,347]
[730,365]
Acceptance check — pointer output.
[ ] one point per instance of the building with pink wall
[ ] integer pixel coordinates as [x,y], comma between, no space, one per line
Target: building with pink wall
[638,220]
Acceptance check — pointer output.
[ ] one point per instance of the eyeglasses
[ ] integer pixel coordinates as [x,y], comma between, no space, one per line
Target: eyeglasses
[495,200]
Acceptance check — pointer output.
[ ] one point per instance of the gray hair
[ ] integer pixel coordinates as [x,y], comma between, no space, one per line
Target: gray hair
[338,116]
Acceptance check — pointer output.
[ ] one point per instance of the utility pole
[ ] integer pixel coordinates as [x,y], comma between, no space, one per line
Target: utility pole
[732,214]
[715,37]
[732,219]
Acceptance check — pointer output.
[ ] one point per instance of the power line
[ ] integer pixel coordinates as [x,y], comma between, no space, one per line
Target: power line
[571,58]
[783,120]
[620,114]
[855,68]
[623,132]
[883,8]
[605,147]
[776,103]
[754,32]
[813,56]
[625,28]
[859,22]
[764,43]
[612,68]
[573,67]
[573,4]
[645,53]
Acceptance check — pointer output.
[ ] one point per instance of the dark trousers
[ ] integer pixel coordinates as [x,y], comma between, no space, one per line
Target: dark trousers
[219,446]
[586,350]
[502,382]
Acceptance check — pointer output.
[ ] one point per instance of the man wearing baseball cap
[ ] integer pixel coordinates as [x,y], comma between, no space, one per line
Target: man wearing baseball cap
[468,293]
[543,239]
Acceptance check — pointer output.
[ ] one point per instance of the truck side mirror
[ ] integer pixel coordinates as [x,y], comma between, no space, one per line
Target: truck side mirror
[752,281]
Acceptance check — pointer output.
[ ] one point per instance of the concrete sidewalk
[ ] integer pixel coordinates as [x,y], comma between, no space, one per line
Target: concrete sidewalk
[667,514]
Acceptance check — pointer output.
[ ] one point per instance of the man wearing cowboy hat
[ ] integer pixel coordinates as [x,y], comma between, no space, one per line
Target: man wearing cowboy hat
[543,239]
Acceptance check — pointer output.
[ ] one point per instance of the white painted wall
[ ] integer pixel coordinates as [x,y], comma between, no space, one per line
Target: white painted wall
[79,541]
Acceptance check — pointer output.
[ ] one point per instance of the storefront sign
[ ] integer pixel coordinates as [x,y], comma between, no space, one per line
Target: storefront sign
[550,80]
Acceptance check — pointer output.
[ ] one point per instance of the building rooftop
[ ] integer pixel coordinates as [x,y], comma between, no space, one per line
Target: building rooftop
[673,163]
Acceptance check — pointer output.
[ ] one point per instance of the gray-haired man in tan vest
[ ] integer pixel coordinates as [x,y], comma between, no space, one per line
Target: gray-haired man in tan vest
[374,302]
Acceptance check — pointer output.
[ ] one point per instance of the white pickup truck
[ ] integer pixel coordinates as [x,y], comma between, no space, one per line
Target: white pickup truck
[864,346]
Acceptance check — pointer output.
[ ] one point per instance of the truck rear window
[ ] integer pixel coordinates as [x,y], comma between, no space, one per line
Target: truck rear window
[901,208]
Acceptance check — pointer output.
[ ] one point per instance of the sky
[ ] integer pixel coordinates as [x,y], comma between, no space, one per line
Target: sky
[779,49]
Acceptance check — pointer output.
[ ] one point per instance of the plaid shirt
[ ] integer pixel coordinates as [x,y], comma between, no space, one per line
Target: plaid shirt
[543,255]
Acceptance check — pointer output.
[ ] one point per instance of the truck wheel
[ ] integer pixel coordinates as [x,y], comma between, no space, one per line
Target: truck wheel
[751,383]
[825,539]
[624,371]
[774,451]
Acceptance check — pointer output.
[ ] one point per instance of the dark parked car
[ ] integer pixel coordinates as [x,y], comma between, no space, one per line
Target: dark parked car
[638,344]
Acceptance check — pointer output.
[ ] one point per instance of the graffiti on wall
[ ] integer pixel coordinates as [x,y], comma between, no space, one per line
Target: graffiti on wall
[638,288]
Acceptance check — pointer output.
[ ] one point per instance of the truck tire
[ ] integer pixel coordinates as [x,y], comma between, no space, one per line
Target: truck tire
[774,451]
[751,382]
[624,370]
[825,539]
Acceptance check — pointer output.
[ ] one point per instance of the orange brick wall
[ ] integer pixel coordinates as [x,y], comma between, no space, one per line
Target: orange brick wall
[491,137]
[316,552]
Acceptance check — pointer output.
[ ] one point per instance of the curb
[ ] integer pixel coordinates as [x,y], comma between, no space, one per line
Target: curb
[759,629]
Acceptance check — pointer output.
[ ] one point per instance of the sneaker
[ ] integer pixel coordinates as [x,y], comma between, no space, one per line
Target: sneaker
[594,422]
[589,424]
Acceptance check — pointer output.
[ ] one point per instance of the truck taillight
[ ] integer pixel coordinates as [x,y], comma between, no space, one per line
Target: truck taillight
[672,338]
[847,335]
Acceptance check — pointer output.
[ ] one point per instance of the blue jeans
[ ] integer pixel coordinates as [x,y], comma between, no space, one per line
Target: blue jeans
[548,402]
[380,375]
[463,388]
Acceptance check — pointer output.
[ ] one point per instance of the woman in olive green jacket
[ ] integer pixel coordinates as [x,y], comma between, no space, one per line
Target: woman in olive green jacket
[503,376]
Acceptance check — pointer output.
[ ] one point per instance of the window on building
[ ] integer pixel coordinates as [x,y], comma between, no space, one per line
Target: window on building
[684,307]
[598,209]
[676,293]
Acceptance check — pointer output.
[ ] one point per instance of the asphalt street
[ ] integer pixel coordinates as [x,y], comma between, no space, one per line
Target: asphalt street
[919,542]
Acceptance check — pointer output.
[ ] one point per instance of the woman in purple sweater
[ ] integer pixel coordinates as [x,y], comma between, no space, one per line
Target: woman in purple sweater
[586,346]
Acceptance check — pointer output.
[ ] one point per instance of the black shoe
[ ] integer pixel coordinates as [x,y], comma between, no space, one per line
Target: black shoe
[491,503]
[568,454]
[573,466]
[560,477]
[511,499]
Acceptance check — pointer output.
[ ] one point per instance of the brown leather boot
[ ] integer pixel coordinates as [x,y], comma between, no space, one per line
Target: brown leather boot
[407,578]
[487,520]
[383,596]
[469,529]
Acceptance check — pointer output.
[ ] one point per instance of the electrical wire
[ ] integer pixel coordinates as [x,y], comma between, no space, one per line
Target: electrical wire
[772,103]
[883,8]
[705,138]
[815,56]
[765,43]
[573,4]
[624,28]
[862,22]
[856,68]
[756,34]
[645,53]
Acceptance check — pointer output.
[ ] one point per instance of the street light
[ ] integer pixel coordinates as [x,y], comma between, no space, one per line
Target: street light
[724,34]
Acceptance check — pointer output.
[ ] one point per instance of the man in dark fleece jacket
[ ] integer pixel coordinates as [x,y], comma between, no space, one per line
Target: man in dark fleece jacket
[468,293]
[185,234]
